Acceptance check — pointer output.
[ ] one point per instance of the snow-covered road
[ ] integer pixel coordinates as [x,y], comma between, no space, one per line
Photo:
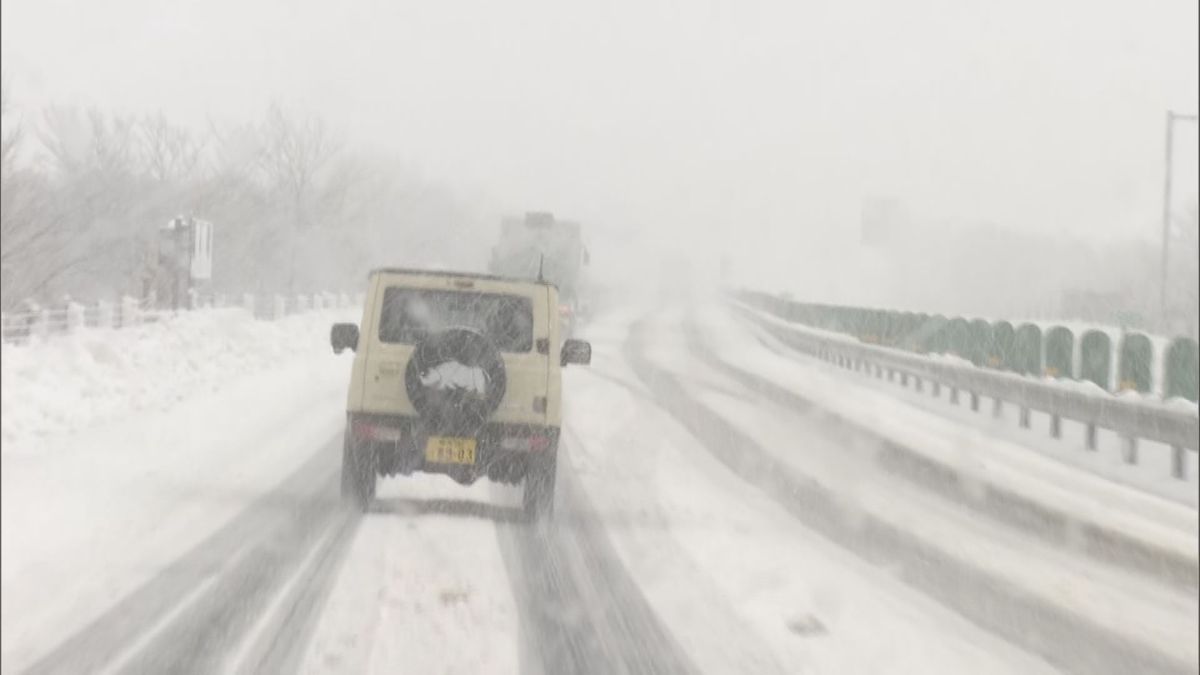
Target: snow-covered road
[701,526]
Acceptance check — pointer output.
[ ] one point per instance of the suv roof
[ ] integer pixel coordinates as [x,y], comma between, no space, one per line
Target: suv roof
[458,275]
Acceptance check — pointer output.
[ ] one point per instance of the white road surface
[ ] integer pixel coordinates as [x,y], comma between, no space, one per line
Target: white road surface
[701,527]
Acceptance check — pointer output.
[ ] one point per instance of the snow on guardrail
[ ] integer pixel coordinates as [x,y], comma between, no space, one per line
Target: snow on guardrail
[1132,417]
[67,317]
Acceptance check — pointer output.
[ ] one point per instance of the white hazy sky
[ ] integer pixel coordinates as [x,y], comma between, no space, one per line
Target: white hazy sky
[742,120]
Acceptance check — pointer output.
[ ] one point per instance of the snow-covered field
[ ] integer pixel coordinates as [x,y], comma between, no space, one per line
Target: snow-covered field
[124,449]
[170,504]
[94,376]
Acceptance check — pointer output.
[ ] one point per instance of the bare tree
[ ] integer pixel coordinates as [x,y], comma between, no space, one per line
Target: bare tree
[293,154]
[169,153]
[30,229]
[293,210]
[12,130]
[294,151]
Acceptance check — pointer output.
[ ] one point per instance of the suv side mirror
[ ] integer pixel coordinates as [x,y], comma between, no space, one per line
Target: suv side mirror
[576,351]
[344,336]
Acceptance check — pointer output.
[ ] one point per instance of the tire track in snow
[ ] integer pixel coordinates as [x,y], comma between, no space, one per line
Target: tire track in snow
[580,610]
[270,538]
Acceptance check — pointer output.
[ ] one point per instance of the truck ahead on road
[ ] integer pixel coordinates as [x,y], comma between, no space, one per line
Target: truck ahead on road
[540,244]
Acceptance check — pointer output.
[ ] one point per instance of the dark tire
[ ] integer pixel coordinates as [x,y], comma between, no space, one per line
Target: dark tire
[449,408]
[539,486]
[358,474]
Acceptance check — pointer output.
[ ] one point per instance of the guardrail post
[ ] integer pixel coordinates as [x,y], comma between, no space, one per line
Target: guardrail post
[1178,465]
[1055,426]
[129,311]
[1024,418]
[937,388]
[974,402]
[1131,451]
[997,407]
[42,327]
[918,384]
[903,379]
[74,316]
[1090,436]
[280,308]
[953,395]
[104,314]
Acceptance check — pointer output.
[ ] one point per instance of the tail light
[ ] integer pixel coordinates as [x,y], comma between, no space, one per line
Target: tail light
[373,431]
[535,443]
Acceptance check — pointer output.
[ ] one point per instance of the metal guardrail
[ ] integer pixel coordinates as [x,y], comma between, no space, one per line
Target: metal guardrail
[1131,419]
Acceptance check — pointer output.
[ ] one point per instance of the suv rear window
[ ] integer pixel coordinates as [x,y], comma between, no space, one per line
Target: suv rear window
[410,314]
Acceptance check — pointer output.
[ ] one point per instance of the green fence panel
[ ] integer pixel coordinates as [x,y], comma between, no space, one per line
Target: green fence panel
[1060,352]
[887,327]
[1000,347]
[829,318]
[1027,350]
[1134,363]
[1095,358]
[795,311]
[929,335]
[1181,365]
[852,321]
[936,335]
[869,327]
[958,335]
[843,320]
[916,323]
[851,318]
[977,344]
[897,322]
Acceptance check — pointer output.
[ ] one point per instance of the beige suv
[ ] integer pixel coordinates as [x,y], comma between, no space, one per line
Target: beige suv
[459,374]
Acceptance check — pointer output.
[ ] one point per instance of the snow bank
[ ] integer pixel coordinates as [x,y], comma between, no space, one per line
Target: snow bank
[96,375]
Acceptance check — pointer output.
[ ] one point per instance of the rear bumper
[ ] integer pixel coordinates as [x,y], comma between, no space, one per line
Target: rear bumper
[503,452]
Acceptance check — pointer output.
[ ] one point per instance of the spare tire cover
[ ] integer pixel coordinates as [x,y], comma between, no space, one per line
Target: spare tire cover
[455,380]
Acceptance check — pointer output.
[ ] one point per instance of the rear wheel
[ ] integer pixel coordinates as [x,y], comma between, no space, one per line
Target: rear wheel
[358,473]
[539,486]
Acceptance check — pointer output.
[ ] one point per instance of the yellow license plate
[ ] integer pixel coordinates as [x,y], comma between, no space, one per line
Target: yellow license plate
[450,450]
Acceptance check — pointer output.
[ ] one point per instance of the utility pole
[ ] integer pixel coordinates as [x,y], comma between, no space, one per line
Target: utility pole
[1172,117]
